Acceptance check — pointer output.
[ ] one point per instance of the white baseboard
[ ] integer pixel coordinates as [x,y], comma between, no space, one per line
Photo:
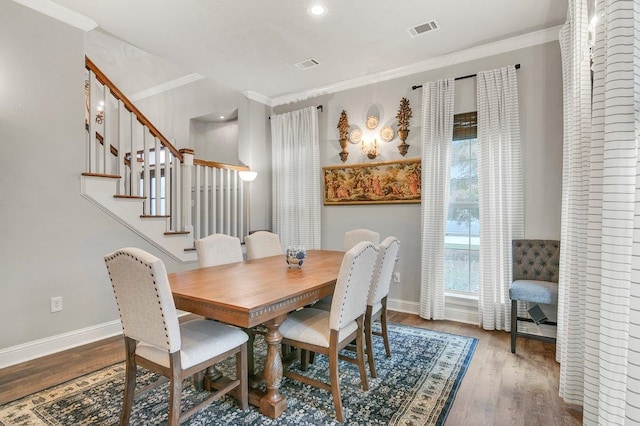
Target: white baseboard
[461,309]
[403,306]
[38,348]
[456,309]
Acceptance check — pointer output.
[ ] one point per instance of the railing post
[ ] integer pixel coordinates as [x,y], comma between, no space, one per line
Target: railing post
[185,196]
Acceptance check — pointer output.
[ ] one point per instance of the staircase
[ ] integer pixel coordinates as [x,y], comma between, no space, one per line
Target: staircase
[137,176]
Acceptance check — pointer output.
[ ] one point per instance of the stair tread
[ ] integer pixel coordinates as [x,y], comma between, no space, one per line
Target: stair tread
[151,216]
[176,233]
[100,175]
[130,197]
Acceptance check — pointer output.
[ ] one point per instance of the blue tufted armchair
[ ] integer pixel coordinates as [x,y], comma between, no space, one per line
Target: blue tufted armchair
[536,265]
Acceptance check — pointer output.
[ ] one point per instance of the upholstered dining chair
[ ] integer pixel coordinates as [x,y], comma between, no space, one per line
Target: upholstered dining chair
[354,236]
[377,300]
[262,244]
[536,268]
[218,249]
[222,249]
[319,331]
[154,338]
[351,238]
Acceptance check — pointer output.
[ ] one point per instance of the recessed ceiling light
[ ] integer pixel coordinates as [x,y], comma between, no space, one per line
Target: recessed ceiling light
[317,10]
[222,117]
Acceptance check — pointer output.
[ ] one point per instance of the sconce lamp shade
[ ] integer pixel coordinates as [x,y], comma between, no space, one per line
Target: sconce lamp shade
[247,175]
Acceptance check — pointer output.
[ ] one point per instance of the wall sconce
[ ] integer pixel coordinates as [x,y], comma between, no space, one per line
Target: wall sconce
[247,175]
[370,149]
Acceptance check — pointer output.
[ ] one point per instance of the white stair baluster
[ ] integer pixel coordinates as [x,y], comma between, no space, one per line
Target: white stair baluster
[146,187]
[157,174]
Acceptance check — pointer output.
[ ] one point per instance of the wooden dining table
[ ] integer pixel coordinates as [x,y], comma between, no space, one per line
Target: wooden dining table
[254,292]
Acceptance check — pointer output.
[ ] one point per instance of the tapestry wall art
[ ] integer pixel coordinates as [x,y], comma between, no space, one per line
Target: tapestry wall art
[373,183]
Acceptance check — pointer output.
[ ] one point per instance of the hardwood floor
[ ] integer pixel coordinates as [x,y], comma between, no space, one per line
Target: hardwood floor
[499,388]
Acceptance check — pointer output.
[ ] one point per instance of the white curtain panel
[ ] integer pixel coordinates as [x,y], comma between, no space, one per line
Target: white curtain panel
[500,192]
[576,75]
[611,341]
[297,188]
[437,134]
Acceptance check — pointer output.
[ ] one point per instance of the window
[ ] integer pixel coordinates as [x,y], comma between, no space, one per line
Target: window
[462,234]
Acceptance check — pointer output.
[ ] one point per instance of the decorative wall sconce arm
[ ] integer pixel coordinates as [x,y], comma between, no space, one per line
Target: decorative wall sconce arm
[403,116]
[343,129]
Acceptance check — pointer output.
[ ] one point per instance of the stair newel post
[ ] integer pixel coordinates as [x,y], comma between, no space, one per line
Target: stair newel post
[185,190]
[206,213]
[227,197]
[169,173]
[120,160]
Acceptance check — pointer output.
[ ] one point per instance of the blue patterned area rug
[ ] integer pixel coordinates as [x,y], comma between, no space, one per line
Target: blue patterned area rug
[416,386]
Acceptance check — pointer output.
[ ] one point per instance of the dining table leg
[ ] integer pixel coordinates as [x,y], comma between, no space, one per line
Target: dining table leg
[273,403]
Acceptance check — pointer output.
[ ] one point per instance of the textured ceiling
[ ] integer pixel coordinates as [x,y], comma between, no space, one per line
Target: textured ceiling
[254,45]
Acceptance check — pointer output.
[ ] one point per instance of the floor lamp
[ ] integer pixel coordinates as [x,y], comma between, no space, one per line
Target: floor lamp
[248,176]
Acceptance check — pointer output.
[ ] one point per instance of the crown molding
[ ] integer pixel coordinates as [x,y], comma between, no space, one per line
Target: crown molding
[258,97]
[172,84]
[465,55]
[60,13]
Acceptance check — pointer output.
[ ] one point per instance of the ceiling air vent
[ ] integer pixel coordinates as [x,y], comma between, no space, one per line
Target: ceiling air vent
[423,28]
[307,63]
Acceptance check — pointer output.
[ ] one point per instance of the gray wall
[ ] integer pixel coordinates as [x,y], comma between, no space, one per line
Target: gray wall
[213,141]
[540,102]
[53,240]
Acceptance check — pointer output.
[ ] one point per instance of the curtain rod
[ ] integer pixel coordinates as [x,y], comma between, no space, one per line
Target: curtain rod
[516,66]
[320,107]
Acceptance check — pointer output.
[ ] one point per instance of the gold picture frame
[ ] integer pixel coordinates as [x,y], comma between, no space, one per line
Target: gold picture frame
[373,183]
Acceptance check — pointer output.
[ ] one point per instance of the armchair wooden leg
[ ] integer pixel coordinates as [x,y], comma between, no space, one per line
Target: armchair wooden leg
[383,325]
[360,354]
[304,359]
[250,342]
[243,374]
[130,381]
[369,341]
[175,390]
[514,325]
[335,383]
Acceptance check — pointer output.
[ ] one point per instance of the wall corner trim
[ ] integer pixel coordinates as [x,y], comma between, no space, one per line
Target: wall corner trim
[60,13]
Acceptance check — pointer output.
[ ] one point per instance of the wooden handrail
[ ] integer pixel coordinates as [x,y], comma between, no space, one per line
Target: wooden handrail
[219,165]
[131,108]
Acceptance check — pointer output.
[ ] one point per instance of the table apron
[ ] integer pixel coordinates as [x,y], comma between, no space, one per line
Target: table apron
[250,318]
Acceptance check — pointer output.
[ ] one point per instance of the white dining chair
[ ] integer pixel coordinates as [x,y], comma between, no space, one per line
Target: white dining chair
[218,249]
[354,236]
[222,249]
[377,300]
[262,244]
[155,340]
[319,331]
[351,238]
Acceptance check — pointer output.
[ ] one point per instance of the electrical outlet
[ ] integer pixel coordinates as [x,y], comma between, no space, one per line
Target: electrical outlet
[56,304]
[396,277]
